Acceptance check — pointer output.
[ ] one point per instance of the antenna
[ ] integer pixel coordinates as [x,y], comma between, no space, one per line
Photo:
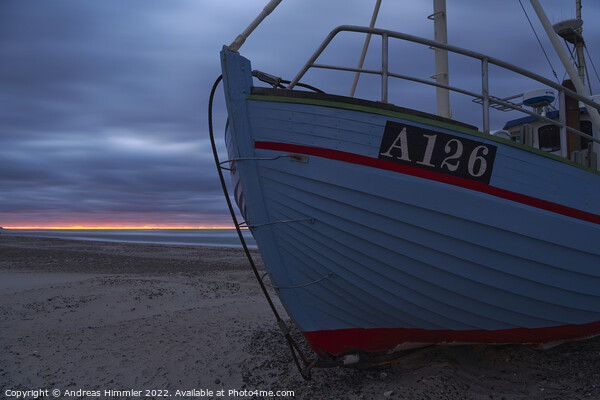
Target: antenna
[571,31]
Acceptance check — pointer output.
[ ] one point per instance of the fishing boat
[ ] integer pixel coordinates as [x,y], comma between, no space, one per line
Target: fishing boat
[384,228]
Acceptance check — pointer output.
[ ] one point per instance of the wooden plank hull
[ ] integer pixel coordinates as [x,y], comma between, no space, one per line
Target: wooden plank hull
[390,228]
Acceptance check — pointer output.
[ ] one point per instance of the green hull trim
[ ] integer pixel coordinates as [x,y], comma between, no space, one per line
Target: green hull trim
[415,118]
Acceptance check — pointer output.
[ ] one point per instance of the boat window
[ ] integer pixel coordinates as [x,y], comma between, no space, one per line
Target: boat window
[585,127]
[515,136]
[549,137]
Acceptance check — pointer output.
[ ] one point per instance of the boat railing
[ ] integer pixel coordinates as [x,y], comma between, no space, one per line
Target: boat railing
[484,98]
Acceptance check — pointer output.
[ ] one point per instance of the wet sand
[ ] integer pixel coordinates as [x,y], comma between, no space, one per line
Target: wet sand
[98,316]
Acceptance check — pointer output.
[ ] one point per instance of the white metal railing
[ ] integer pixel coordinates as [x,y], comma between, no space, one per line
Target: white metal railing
[484,97]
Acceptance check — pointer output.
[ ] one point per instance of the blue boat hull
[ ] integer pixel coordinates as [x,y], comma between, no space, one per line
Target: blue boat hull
[384,228]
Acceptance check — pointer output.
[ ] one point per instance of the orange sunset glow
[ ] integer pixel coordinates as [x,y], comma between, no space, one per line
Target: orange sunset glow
[117,227]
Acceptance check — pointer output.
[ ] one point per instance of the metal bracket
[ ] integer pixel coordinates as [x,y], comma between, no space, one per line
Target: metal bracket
[440,75]
[432,16]
[293,157]
[272,80]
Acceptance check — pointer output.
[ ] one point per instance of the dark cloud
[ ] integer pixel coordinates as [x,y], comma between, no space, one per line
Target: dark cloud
[100,113]
[103,103]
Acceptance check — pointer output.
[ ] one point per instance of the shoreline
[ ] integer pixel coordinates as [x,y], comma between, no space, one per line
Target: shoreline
[122,316]
[57,254]
[221,237]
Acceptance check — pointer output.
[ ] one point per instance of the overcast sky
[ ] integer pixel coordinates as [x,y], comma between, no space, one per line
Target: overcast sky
[103,103]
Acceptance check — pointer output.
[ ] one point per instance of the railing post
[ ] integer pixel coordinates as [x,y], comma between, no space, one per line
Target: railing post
[314,57]
[485,92]
[384,67]
[562,118]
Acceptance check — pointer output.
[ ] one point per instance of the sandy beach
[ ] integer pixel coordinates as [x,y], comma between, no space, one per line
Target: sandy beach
[90,317]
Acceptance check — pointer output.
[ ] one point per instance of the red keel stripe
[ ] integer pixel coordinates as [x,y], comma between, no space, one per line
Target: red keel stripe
[431,175]
[385,339]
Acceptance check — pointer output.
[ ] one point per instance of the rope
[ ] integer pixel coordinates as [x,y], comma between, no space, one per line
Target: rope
[593,67]
[305,372]
[299,285]
[304,85]
[539,41]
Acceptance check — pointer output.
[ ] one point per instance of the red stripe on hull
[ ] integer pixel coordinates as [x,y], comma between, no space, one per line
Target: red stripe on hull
[384,339]
[431,175]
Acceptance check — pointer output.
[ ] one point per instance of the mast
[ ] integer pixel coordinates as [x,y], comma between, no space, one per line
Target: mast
[441,57]
[573,74]
[579,45]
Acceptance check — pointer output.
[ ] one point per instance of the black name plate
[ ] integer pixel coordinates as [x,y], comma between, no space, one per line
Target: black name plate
[437,151]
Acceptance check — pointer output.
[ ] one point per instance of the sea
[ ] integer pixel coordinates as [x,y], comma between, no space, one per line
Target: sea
[191,237]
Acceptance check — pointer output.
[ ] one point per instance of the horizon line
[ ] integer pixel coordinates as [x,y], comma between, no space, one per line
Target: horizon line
[116,227]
